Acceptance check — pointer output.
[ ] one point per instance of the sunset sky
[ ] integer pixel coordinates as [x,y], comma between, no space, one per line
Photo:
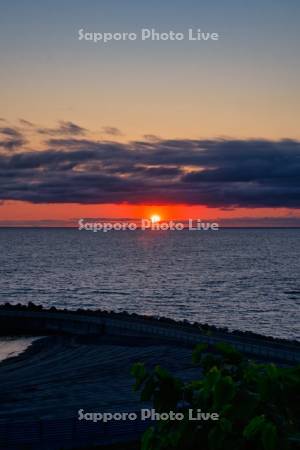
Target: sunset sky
[128,129]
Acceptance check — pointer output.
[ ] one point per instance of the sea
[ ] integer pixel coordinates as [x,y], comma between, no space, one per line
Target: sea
[242,279]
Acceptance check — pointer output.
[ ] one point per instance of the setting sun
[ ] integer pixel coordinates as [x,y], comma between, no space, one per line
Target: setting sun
[155,218]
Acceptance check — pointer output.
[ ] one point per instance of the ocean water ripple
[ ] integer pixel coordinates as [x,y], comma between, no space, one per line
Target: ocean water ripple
[245,279]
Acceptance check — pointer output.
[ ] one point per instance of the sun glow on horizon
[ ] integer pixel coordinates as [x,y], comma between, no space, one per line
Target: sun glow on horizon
[155,218]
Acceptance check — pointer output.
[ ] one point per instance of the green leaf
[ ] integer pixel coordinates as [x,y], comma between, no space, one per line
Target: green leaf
[197,352]
[229,352]
[175,437]
[226,425]
[147,439]
[213,377]
[269,436]
[216,439]
[226,409]
[138,370]
[195,385]
[224,392]
[254,427]
[251,372]
[272,371]
[148,389]
[162,374]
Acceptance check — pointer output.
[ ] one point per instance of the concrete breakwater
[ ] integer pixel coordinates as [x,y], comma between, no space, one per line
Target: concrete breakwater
[36,320]
[84,363]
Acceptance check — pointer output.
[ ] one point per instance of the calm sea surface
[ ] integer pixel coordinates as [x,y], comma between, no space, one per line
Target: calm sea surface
[243,279]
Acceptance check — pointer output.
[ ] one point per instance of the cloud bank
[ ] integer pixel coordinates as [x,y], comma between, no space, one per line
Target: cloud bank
[226,173]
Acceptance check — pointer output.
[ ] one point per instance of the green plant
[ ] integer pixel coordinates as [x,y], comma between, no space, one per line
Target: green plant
[257,404]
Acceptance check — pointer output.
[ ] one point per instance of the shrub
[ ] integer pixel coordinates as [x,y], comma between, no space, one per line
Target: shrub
[257,404]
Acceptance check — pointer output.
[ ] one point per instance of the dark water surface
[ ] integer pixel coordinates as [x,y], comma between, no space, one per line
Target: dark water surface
[246,279]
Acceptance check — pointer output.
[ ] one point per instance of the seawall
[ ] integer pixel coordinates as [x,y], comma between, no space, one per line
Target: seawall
[14,320]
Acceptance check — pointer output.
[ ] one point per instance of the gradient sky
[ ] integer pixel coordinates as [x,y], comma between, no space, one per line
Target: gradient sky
[243,87]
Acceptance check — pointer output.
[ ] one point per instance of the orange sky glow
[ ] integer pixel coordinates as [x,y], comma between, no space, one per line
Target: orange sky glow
[22,213]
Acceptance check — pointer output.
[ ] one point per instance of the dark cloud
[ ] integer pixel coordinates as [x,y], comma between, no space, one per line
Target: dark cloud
[11,132]
[151,137]
[11,138]
[27,123]
[218,173]
[112,131]
[64,129]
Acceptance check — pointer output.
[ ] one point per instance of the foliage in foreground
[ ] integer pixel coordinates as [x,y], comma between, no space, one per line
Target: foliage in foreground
[258,404]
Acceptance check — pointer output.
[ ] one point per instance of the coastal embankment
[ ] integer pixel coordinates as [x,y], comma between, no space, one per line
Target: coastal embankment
[33,319]
[83,362]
